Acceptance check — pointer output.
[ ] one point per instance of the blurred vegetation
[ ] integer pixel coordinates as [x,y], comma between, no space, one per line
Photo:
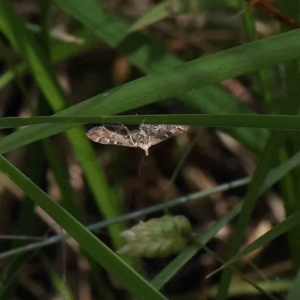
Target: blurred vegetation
[229,69]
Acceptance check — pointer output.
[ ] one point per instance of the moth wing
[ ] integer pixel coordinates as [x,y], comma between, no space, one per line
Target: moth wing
[121,129]
[104,136]
[159,133]
[163,131]
[122,140]
[155,141]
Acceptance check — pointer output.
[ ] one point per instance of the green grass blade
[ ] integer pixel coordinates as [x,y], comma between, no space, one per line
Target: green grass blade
[11,74]
[164,276]
[132,281]
[62,179]
[274,122]
[294,293]
[24,43]
[26,46]
[197,73]
[24,225]
[150,58]
[266,160]
[60,286]
[214,101]
[157,13]
[274,175]
[133,215]
[94,174]
[283,227]
[289,185]
[242,289]
[257,287]
[264,77]
[60,51]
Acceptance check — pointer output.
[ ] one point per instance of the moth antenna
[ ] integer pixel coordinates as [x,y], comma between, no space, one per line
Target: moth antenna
[142,124]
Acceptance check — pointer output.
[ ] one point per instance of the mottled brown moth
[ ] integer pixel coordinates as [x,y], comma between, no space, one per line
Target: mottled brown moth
[144,137]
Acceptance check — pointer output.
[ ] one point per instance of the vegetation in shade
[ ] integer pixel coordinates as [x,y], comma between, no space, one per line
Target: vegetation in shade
[158,88]
[41,68]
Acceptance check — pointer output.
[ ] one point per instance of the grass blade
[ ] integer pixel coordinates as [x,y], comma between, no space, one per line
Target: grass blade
[283,227]
[168,272]
[150,58]
[157,13]
[294,292]
[197,73]
[266,160]
[274,122]
[132,281]
[25,44]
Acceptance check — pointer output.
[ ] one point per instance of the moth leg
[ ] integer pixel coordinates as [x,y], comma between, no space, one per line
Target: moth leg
[131,138]
[124,127]
[128,133]
[107,130]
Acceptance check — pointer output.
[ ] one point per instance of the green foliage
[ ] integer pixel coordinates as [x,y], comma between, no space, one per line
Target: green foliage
[194,84]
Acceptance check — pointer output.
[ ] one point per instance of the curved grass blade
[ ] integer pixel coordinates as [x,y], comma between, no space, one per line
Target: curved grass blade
[274,175]
[166,274]
[149,58]
[25,44]
[130,216]
[197,73]
[131,280]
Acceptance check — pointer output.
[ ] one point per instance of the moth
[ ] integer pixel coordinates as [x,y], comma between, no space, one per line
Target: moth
[144,137]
